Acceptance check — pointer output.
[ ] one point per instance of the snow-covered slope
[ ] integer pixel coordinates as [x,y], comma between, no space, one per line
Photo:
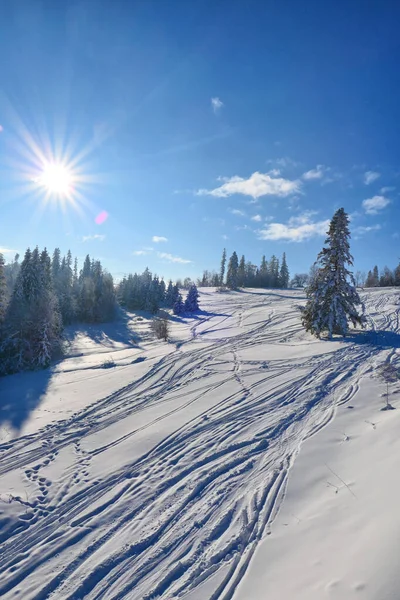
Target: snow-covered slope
[162,477]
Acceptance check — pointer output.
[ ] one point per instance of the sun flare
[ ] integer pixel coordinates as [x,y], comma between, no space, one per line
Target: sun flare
[56,179]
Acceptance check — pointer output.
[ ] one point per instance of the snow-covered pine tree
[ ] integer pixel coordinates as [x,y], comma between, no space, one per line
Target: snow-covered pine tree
[274,271]
[192,300]
[222,269]
[232,273]
[169,295]
[178,307]
[242,272]
[263,276]
[397,275]
[284,273]
[3,289]
[161,291]
[332,296]
[152,302]
[375,275]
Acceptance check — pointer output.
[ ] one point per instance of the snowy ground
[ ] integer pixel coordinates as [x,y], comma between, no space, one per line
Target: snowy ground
[178,473]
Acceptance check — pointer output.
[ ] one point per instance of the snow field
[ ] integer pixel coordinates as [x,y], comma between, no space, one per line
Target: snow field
[168,474]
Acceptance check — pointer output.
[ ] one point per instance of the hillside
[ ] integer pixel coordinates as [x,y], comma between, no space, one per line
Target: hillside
[243,459]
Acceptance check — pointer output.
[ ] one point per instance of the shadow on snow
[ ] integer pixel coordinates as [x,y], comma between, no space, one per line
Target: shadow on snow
[20,394]
[381,339]
[107,334]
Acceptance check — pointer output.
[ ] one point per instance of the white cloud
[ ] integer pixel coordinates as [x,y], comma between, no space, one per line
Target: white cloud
[370,176]
[237,212]
[257,185]
[388,188]
[373,205]
[257,218]
[216,104]
[225,237]
[139,252]
[298,229]
[361,230]
[158,239]
[316,173]
[96,236]
[173,259]
[7,251]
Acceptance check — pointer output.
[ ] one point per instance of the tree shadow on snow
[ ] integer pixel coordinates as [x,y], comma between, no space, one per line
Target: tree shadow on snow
[197,316]
[274,293]
[381,339]
[20,394]
[107,334]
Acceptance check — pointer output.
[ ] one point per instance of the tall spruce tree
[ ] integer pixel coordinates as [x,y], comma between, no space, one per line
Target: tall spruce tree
[284,273]
[332,296]
[232,273]
[242,272]
[3,289]
[222,269]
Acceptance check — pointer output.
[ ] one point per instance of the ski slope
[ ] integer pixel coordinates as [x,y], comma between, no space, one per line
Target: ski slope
[164,476]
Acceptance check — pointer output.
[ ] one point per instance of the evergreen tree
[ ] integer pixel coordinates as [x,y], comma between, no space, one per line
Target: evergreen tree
[152,304]
[375,275]
[387,278]
[11,274]
[232,273]
[263,273]
[369,282]
[3,290]
[242,272]
[222,269]
[192,300]
[274,272]
[396,275]
[178,307]
[169,296]
[332,300]
[284,273]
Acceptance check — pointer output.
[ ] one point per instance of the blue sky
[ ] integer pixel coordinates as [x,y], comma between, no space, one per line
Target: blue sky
[199,125]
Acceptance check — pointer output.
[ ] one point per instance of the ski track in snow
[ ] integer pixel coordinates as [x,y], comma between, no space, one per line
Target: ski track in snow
[193,505]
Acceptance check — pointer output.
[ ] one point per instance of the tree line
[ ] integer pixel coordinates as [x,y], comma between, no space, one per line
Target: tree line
[145,291]
[386,278]
[236,273]
[42,294]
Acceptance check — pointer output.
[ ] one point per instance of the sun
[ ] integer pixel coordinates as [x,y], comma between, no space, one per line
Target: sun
[57,179]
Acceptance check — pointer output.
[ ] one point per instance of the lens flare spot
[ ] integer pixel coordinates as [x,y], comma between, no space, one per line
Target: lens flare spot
[101,217]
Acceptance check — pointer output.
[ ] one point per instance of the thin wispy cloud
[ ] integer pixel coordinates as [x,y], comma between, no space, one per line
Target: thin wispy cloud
[158,239]
[298,229]
[284,162]
[173,259]
[316,173]
[91,238]
[361,230]
[375,204]
[237,212]
[370,176]
[256,186]
[139,252]
[257,218]
[386,189]
[216,104]
[4,250]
